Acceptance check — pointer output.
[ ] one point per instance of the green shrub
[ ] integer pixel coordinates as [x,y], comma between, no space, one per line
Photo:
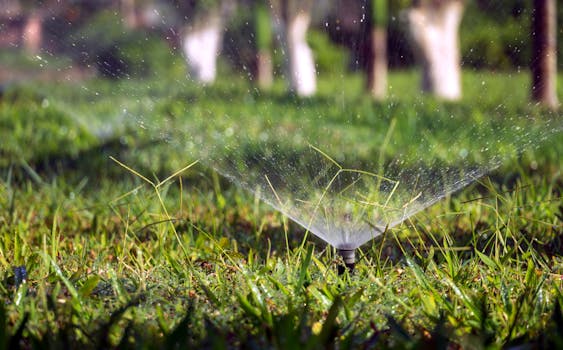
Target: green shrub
[119,52]
[497,36]
[239,42]
[486,43]
[328,56]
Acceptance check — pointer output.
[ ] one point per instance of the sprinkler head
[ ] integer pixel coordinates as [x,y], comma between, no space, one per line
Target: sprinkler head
[349,257]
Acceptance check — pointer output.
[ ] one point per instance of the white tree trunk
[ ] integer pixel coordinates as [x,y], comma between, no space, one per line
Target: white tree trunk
[377,64]
[293,18]
[33,33]
[129,13]
[301,65]
[201,43]
[264,69]
[434,30]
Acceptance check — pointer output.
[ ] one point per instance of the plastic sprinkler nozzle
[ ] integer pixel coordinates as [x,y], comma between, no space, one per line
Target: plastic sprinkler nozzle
[349,257]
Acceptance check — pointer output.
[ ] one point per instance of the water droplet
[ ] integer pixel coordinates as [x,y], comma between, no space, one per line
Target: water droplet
[463,153]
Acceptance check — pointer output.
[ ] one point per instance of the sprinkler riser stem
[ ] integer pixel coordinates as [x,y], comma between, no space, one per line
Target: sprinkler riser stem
[349,257]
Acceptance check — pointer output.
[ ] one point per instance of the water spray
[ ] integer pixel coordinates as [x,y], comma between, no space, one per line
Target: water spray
[349,257]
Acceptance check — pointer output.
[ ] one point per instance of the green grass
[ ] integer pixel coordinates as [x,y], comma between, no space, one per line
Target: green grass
[141,254]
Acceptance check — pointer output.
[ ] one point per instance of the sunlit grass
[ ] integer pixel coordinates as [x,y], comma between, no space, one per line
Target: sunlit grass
[155,252]
[479,266]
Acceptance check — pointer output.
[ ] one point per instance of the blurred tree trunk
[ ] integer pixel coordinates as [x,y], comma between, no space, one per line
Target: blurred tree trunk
[201,43]
[294,19]
[35,13]
[544,53]
[377,60]
[434,26]
[263,36]
[130,13]
[33,32]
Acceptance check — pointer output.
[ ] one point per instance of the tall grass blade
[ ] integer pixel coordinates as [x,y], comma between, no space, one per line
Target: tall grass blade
[70,287]
[303,269]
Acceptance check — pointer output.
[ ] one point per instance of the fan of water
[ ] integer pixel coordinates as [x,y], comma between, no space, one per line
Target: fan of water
[338,163]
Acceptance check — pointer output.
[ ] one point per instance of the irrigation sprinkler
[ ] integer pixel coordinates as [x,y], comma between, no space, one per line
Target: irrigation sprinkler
[349,257]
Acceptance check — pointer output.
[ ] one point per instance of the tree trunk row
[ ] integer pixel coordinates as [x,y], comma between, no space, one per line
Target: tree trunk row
[433,27]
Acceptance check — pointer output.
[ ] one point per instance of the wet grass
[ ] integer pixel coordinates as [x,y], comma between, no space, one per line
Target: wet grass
[158,253]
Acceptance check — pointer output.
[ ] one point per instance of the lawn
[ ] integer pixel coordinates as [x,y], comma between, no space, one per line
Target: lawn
[113,200]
